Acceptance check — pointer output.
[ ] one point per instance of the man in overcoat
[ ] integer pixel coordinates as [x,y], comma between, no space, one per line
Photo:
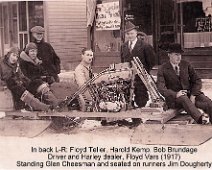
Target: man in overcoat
[46,53]
[135,47]
[181,86]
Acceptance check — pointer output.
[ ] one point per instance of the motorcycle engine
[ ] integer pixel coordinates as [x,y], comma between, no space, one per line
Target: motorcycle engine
[111,90]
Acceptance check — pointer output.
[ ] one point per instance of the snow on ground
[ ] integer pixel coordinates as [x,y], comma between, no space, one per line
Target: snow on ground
[91,133]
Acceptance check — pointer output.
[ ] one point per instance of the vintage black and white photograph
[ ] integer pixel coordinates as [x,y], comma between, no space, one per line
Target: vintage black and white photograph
[106,84]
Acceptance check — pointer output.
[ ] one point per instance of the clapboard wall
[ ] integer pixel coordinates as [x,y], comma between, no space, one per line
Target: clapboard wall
[65,23]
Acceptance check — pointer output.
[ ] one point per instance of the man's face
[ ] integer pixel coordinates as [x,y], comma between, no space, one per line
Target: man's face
[33,53]
[13,58]
[87,57]
[37,36]
[131,35]
[175,58]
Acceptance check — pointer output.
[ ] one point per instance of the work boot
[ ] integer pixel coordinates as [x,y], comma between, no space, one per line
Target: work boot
[33,102]
[47,96]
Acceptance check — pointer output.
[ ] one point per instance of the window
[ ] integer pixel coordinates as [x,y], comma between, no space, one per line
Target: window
[22,16]
[107,29]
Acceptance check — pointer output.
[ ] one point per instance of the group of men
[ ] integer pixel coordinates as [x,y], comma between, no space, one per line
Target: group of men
[177,80]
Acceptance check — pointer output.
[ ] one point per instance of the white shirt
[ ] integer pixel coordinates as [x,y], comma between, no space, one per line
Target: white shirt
[175,65]
[133,43]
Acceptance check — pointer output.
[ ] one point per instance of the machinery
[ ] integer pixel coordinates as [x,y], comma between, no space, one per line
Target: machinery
[112,90]
[109,94]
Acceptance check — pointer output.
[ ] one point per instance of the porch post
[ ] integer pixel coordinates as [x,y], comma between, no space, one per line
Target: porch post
[181,26]
[156,25]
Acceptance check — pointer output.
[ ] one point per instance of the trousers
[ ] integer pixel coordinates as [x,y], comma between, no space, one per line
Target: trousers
[201,102]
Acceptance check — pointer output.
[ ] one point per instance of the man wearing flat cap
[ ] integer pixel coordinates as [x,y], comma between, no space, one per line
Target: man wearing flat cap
[135,47]
[46,53]
[181,86]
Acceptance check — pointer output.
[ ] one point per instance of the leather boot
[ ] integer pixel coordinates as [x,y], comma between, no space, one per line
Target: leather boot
[47,96]
[33,102]
[50,99]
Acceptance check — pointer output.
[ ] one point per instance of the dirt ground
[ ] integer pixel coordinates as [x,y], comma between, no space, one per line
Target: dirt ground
[91,133]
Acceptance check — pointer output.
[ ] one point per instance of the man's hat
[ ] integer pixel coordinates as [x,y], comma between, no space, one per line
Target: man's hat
[174,48]
[129,26]
[37,29]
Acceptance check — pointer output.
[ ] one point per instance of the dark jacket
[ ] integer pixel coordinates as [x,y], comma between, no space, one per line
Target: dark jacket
[14,78]
[50,60]
[147,56]
[169,83]
[142,50]
[31,68]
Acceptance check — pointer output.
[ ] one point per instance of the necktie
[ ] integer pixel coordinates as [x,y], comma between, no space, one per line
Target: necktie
[177,71]
[130,46]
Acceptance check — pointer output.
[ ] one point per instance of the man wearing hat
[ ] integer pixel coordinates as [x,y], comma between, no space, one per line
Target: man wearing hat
[181,86]
[135,47]
[46,53]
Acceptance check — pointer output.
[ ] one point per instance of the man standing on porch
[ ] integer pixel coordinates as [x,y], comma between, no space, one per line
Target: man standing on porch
[135,47]
[46,53]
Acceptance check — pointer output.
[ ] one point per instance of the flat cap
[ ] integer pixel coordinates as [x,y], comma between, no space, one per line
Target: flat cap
[37,29]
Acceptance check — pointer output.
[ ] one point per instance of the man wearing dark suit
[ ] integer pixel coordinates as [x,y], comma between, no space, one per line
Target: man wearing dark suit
[181,86]
[135,47]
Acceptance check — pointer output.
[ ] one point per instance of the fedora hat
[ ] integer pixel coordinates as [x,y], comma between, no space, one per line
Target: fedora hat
[130,26]
[174,48]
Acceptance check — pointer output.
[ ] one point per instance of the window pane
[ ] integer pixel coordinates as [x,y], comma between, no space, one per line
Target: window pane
[36,14]
[191,12]
[22,16]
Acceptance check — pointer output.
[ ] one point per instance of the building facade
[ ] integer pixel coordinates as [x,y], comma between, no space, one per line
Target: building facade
[99,24]
[64,23]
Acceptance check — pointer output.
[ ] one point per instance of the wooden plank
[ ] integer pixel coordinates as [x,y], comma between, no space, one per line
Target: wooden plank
[67,27]
[168,134]
[68,36]
[69,15]
[54,4]
[146,114]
